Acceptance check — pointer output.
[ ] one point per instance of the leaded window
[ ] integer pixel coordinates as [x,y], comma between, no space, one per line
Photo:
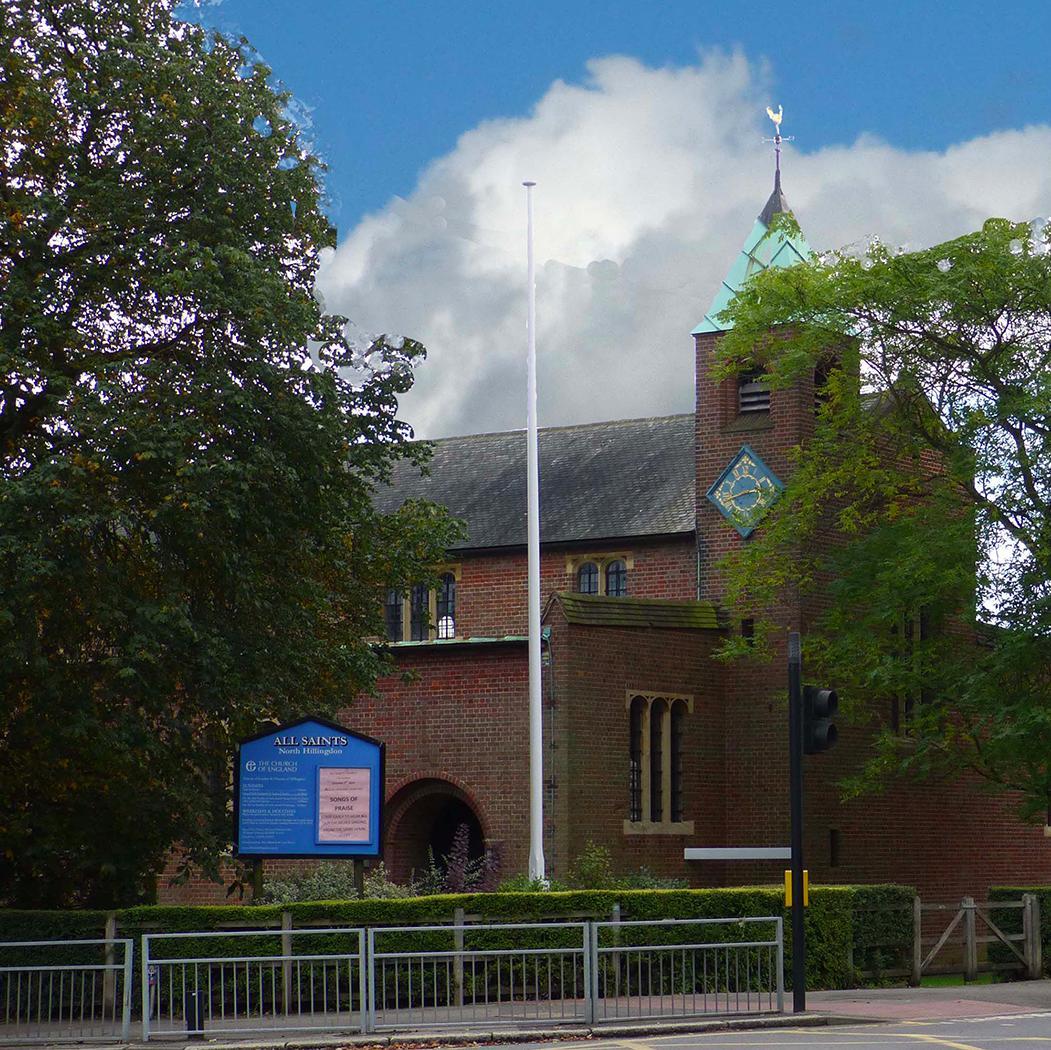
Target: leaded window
[658,713]
[419,610]
[392,614]
[638,712]
[446,606]
[657,759]
[616,578]
[678,726]
[587,578]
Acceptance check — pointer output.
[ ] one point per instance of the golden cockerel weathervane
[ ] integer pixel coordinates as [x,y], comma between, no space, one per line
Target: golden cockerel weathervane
[777,139]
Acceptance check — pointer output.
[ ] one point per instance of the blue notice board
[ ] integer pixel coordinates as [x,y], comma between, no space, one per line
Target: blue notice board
[309,789]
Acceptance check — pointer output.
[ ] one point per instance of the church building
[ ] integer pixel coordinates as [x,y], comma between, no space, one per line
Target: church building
[651,745]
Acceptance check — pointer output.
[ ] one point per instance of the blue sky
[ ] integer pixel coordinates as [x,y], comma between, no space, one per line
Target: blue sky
[643,125]
[393,84]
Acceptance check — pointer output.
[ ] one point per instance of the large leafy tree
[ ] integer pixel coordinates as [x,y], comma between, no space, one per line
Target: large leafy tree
[919,514]
[187,542]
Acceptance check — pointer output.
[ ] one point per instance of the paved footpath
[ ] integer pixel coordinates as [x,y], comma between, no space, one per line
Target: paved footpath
[974,1000]
[1018,1032]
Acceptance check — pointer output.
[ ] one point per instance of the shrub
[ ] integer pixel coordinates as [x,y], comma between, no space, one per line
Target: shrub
[840,921]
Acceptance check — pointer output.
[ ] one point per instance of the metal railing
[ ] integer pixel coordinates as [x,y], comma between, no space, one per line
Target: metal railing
[687,967]
[479,975]
[497,975]
[288,980]
[51,991]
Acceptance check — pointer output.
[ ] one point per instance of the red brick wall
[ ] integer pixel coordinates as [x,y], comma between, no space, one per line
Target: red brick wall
[462,719]
[492,593]
[597,666]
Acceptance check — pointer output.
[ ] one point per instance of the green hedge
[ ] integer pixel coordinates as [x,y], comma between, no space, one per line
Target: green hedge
[850,929]
[1010,920]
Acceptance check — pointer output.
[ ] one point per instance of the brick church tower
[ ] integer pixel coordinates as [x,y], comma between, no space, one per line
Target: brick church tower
[739,420]
[943,836]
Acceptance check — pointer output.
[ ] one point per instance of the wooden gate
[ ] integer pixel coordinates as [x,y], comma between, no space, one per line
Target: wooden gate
[1024,947]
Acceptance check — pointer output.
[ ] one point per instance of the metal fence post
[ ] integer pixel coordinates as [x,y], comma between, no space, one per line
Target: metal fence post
[970,958]
[370,961]
[145,987]
[364,967]
[780,965]
[125,1020]
[917,942]
[589,969]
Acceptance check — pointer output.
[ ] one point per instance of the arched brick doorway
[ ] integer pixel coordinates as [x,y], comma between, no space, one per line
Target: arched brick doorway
[423,816]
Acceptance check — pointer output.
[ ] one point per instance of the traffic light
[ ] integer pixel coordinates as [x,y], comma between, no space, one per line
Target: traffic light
[819,710]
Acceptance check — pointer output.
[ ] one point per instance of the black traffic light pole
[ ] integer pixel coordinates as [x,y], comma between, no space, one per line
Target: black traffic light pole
[795,780]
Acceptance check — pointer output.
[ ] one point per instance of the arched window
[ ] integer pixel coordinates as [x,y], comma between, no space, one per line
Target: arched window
[678,726]
[656,762]
[616,578]
[587,578]
[638,713]
[658,717]
[419,618]
[392,614]
[446,606]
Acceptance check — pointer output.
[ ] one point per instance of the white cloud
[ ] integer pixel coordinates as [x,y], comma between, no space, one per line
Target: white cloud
[661,171]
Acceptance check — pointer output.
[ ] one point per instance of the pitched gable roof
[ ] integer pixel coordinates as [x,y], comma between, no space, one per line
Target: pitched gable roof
[632,477]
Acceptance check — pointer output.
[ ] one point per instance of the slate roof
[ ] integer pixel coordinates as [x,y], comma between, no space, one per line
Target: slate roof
[631,477]
[599,611]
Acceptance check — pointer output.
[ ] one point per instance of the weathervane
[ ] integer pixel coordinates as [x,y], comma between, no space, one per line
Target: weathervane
[777,139]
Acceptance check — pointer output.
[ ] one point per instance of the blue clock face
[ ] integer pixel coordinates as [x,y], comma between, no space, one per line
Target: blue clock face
[745,490]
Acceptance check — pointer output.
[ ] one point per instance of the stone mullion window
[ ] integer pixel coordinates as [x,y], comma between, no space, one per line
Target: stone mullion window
[604,575]
[656,724]
[423,613]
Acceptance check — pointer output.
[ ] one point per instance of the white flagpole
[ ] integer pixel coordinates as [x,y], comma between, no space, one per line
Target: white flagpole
[536,713]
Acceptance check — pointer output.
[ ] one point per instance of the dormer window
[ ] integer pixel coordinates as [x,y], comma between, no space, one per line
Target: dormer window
[753,395]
